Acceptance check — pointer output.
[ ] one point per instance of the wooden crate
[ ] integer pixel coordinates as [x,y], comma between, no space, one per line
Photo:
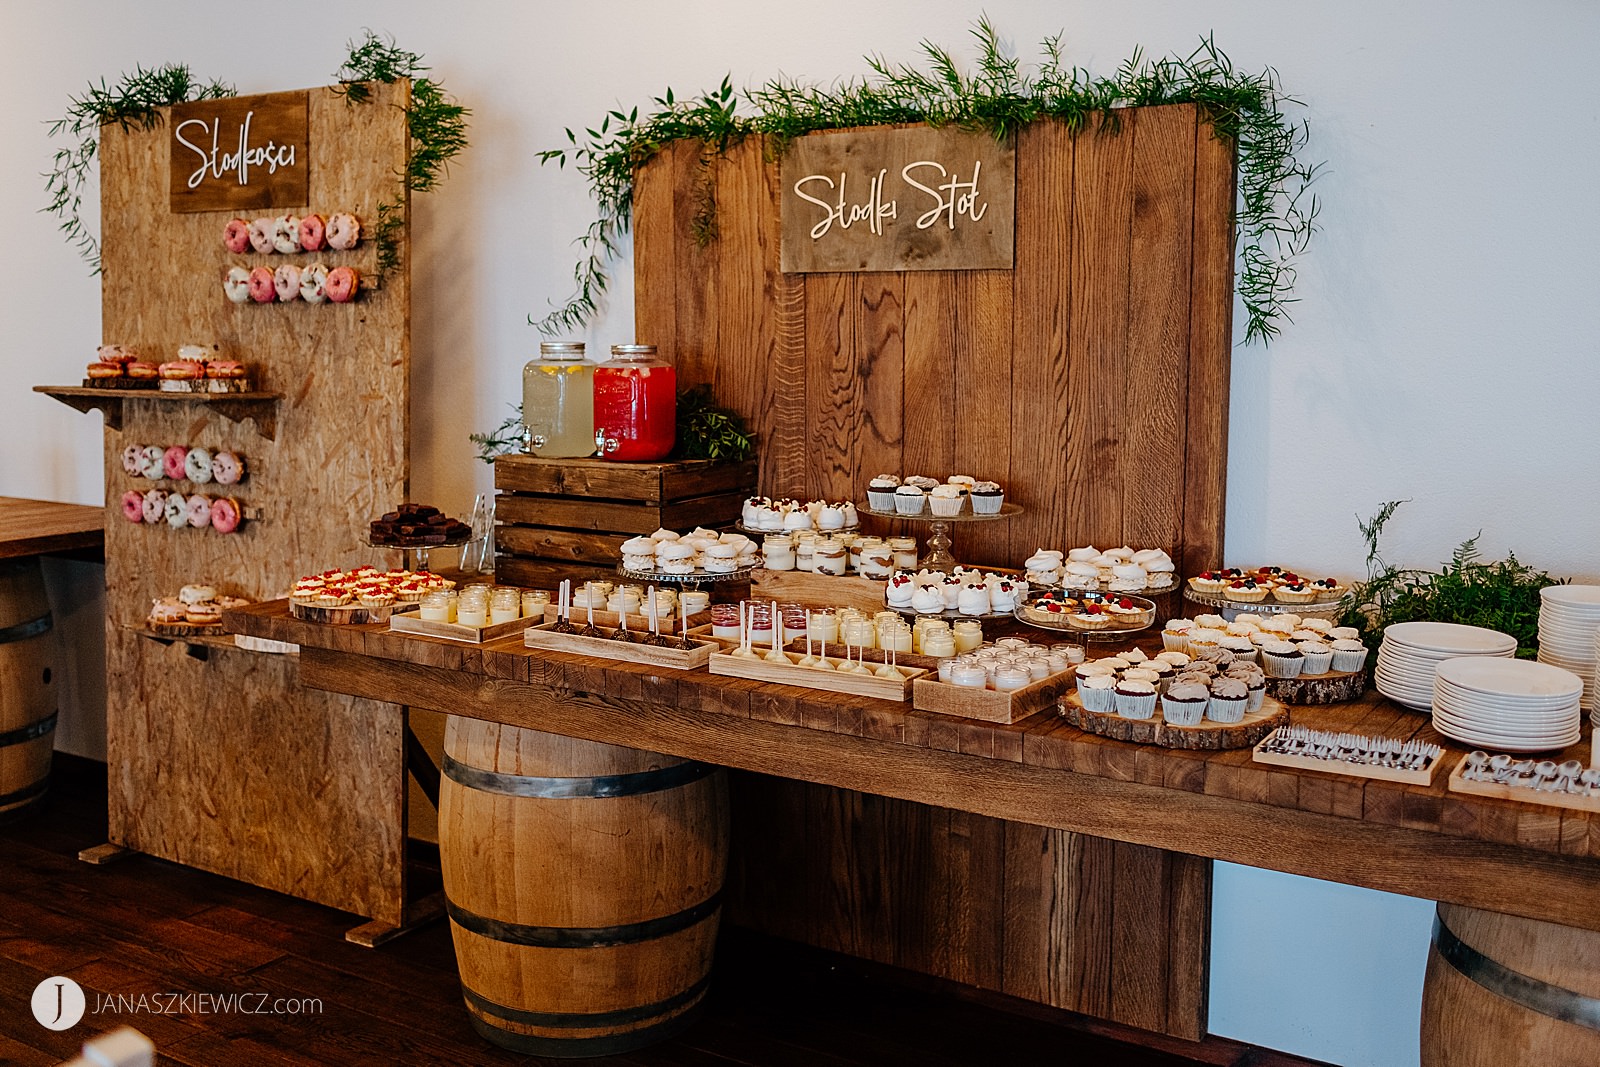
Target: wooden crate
[567,518]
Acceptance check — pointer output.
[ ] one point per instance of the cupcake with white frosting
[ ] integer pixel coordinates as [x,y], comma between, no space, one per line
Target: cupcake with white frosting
[909,499]
[880,491]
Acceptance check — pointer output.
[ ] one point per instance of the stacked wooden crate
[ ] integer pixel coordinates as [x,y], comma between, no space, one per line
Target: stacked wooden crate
[567,518]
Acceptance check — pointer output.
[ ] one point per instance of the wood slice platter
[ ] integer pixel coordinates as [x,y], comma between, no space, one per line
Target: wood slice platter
[1207,736]
[1424,776]
[408,622]
[345,614]
[181,630]
[639,624]
[207,385]
[1523,794]
[1335,687]
[120,383]
[968,702]
[790,672]
[669,656]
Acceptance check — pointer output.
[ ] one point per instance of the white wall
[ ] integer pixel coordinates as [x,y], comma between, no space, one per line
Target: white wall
[1444,349]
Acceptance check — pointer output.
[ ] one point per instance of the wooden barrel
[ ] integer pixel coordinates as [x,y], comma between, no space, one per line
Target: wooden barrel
[1503,990]
[27,687]
[584,885]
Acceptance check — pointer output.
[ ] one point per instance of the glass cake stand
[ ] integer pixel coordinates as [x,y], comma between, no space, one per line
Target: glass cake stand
[939,550]
[413,556]
[693,578]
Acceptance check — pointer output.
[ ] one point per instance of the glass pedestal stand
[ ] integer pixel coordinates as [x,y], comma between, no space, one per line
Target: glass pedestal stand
[415,557]
[938,553]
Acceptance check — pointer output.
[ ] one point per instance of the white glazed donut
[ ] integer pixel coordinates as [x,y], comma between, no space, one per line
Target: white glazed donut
[237,285]
[153,463]
[155,506]
[314,284]
[227,468]
[261,234]
[197,466]
[286,280]
[177,511]
[286,234]
[133,460]
[344,232]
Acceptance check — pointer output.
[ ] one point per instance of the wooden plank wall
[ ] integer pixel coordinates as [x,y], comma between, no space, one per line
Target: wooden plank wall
[227,764]
[1091,380]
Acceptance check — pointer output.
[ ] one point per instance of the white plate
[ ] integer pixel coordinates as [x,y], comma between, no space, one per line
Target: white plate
[1509,677]
[1581,597]
[1448,637]
[1565,735]
[1467,737]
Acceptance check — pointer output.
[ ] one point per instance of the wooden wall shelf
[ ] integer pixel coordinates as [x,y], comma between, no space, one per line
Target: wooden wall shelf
[235,407]
[199,646]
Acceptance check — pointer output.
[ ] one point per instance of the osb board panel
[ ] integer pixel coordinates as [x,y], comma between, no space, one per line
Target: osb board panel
[1077,922]
[214,768]
[1090,380]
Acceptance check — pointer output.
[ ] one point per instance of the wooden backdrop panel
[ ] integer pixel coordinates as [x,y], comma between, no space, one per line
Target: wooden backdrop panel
[1092,382]
[227,764]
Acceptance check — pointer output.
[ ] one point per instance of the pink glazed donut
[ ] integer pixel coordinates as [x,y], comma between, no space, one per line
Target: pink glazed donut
[133,461]
[225,514]
[342,285]
[198,508]
[133,505]
[173,460]
[227,468]
[313,231]
[344,232]
[263,289]
[286,282]
[236,235]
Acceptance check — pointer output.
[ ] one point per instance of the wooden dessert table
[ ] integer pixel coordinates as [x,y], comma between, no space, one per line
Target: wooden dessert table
[1501,856]
[45,527]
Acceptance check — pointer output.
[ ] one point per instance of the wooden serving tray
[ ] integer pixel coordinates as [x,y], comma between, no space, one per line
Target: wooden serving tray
[818,590]
[678,659]
[639,624]
[409,623]
[1206,736]
[854,682]
[1459,784]
[347,614]
[968,702]
[1359,770]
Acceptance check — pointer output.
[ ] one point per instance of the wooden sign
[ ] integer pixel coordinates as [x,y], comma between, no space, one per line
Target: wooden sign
[240,153]
[898,199]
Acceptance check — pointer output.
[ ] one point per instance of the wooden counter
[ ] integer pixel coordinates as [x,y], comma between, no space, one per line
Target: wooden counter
[40,527]
[1498,855]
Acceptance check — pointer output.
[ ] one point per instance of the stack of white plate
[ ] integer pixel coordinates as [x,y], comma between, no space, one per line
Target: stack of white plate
[1569,631]
[1411,650]
[1509,705]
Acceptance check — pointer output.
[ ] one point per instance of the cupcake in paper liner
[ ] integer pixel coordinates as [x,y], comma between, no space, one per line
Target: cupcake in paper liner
[1136,698]
[1348,655]
[987,498]
[1098,692]
[945,500]
[1317,657]
[1282,659]
[1253,678]
[1184,703]
[1228,699]
[880,492]
[908,500]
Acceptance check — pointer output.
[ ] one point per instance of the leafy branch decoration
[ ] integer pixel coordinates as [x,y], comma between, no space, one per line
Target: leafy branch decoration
[131,103]
[1276,213]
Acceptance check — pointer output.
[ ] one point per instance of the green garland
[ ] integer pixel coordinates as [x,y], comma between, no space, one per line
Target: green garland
[1276,215]
[131,103]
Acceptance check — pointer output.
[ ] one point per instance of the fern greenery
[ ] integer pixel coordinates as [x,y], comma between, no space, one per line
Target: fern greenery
[1276,213]
[1501,594]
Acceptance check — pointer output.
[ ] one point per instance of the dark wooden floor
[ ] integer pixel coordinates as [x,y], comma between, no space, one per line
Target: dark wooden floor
[143,926]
